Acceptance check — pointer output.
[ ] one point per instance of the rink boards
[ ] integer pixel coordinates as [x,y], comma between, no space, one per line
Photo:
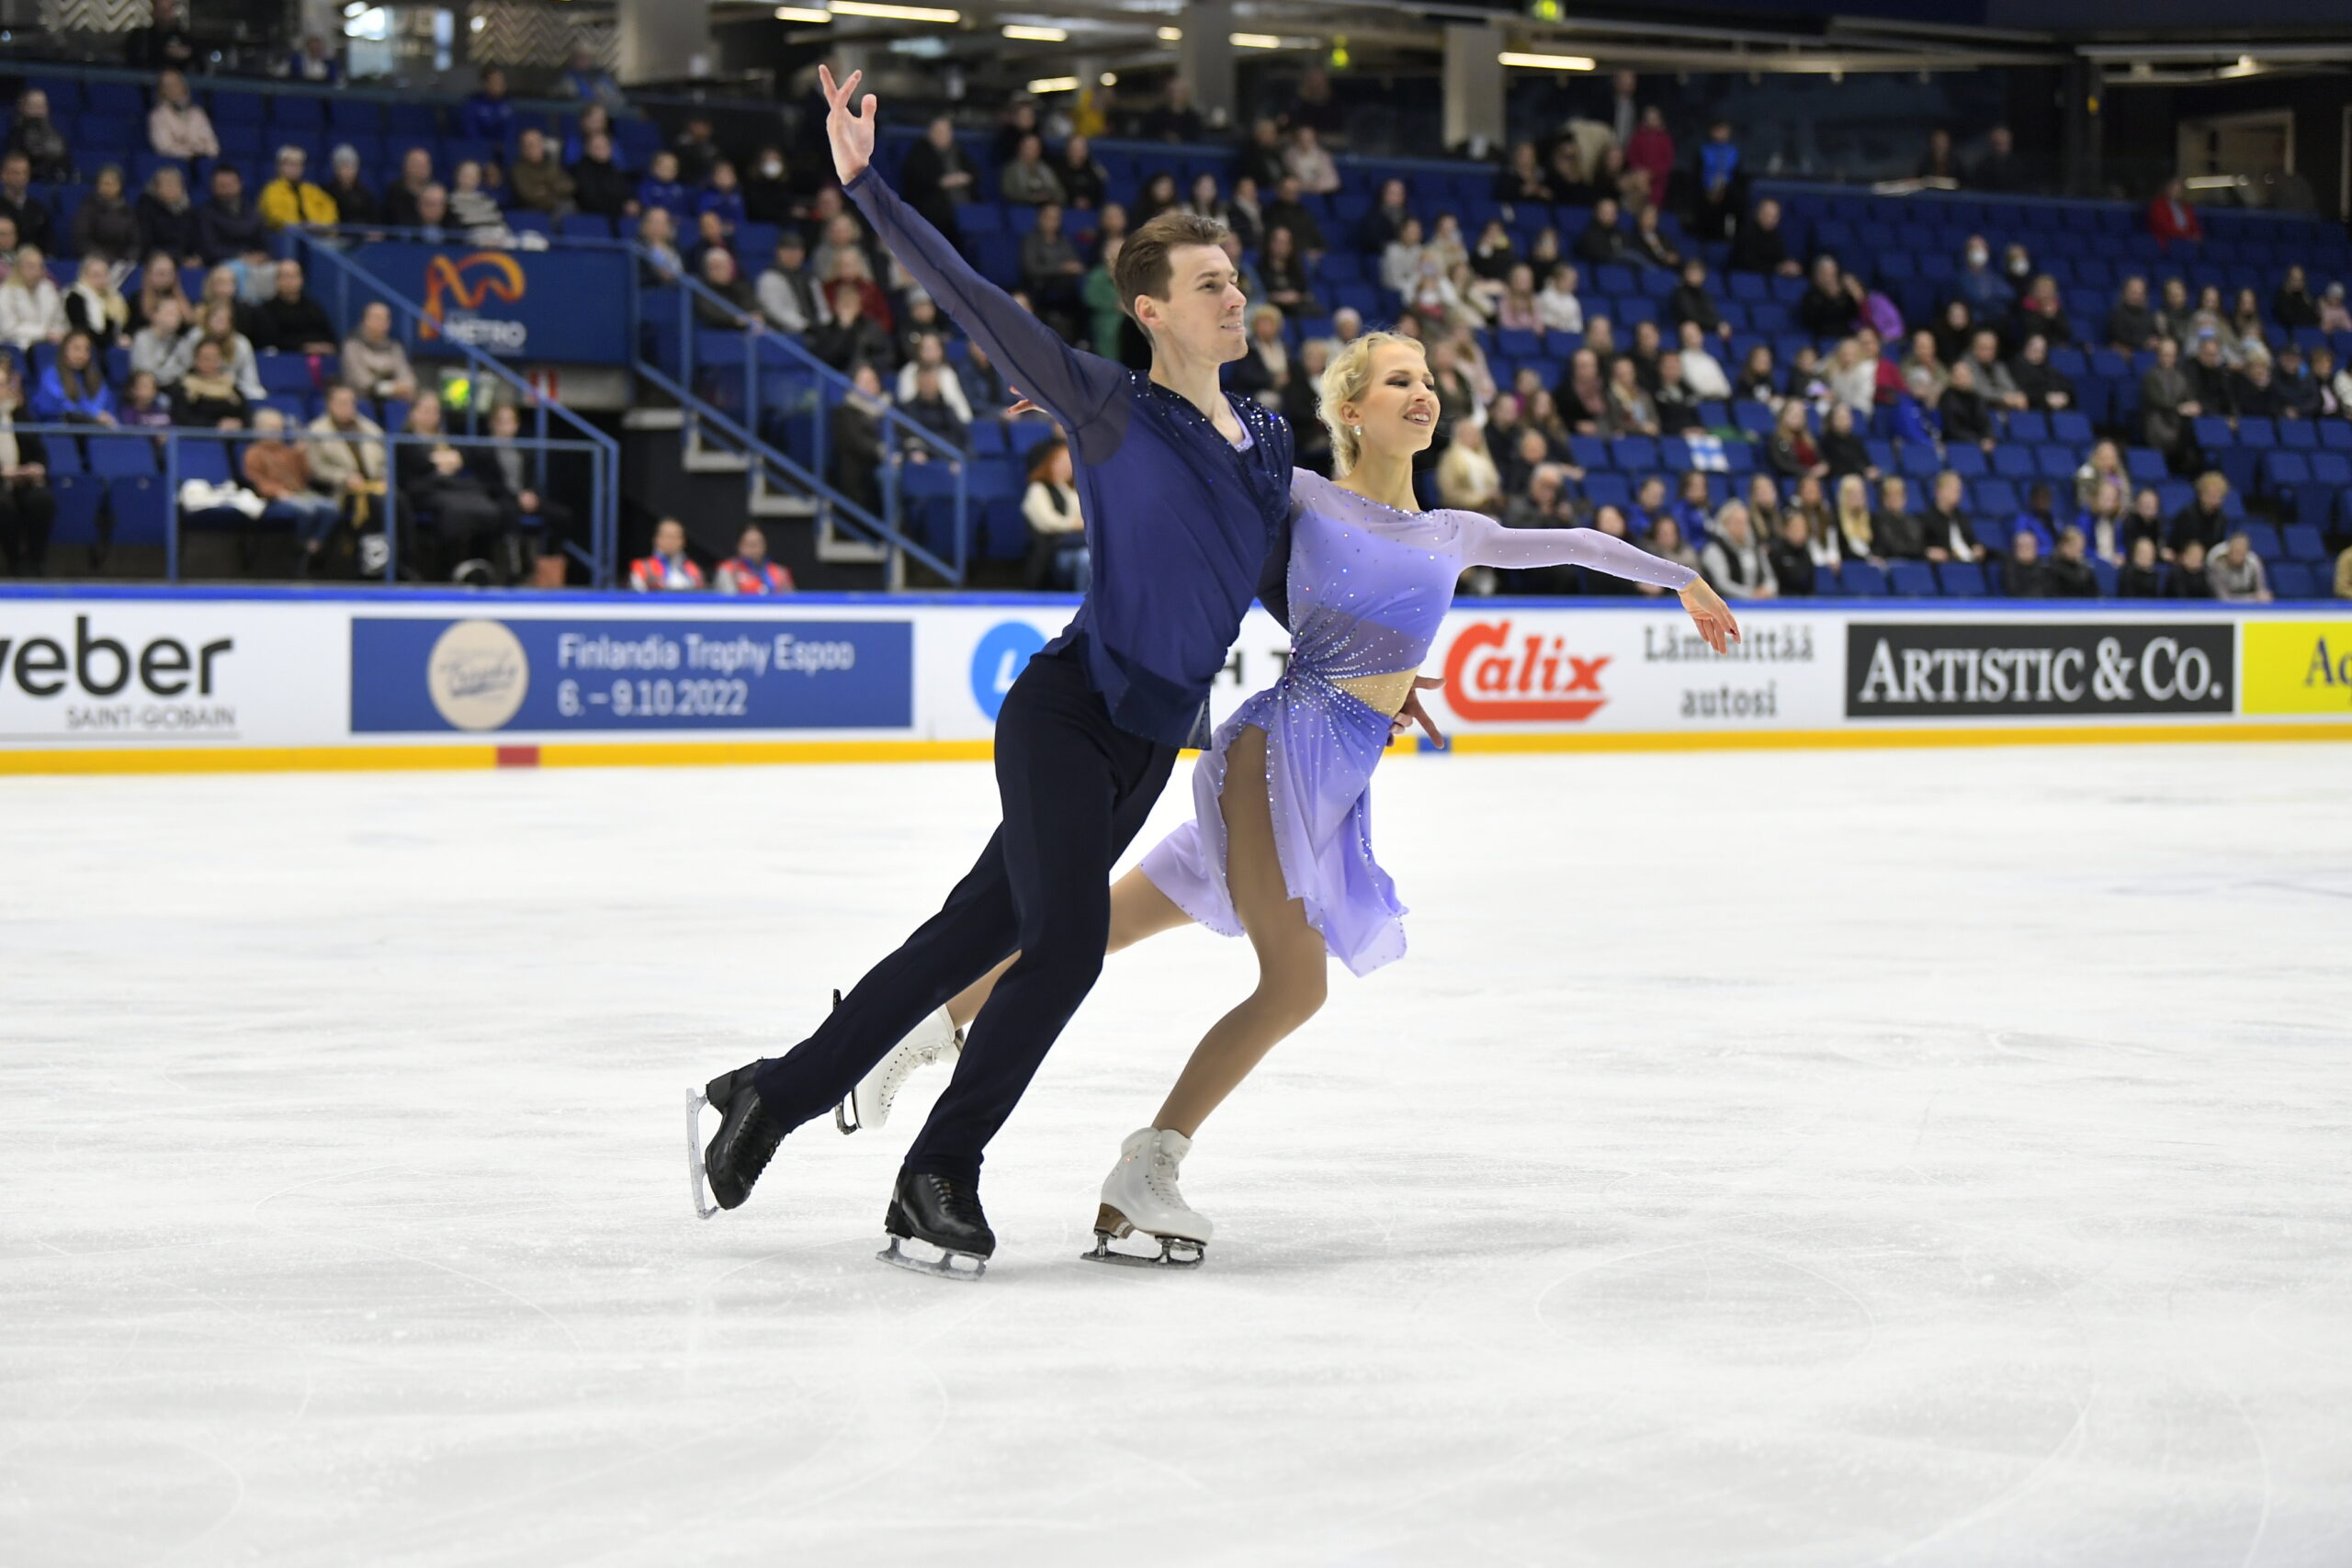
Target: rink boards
[189,679]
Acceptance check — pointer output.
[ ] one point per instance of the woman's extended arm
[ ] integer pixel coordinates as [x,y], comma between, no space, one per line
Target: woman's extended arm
[1486,542]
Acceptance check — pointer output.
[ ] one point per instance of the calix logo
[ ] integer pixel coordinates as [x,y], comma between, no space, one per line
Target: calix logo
[1489,678]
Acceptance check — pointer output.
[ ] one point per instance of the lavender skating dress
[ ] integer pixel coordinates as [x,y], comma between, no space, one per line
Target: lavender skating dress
[1369,586]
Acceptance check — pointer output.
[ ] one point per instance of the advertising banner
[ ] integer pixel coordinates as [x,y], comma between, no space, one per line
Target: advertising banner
[2299,667]
[1932,668]
[410,674]
[114,673]
[567,306]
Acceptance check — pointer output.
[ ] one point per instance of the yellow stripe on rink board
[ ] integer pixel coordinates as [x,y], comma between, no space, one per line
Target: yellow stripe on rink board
[719,753]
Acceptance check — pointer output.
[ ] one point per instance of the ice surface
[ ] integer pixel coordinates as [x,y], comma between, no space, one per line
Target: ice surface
[1923,1159]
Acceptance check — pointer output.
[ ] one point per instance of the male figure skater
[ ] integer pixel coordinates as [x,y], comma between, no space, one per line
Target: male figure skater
[1186,496]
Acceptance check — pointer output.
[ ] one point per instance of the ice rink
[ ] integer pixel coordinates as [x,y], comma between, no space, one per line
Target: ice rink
[1809,1159]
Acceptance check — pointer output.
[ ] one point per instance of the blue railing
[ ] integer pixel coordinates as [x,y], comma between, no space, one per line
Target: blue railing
[169,462]
[605,453]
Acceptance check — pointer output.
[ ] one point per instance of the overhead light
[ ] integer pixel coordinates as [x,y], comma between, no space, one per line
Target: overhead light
[1546,62]
[2213,182]
[894,13]
[1109,79]
[478,23]
[1255,40]
[1044,85]
[2245,67]
[801,13]
[1036,35]
[1172,35]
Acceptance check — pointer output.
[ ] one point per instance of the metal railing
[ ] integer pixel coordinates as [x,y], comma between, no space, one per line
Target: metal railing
[605,453]
[173,468]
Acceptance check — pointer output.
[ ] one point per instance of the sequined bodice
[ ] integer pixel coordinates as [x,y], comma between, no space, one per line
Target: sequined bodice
[1369,584]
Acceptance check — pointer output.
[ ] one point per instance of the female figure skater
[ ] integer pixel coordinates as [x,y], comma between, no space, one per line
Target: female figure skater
[1280,847]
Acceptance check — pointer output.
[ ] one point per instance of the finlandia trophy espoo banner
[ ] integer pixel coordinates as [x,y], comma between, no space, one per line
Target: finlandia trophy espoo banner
[140,672]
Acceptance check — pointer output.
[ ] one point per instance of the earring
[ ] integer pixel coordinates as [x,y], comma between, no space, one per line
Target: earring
[1355,429]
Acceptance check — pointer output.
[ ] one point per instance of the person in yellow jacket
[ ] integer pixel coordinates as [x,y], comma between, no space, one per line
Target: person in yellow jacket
[290,199]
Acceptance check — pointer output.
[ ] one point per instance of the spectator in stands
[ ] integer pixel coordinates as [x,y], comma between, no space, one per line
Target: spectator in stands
[2069,575]
[406,195]
[852,337]
[473,210]
[930,352]
[1666,540]
[227,227]
[984,389]
[164,344]
[2141,578]
[1792,451]
[667,569]
[1763,510]
[1631,410]
[1852,376]
[1467,478]
[1051,270]
[2187,580]
[223,286]
[1691,301]
[696,151]
[73,389]
[1287,212]
[504,474]
[1284,274]
[590,83]
[219,323]
[2041,384]
[788,296]
[355,204]
[1733,562]
[457,529]
[1175,118]
[735,307]
[2205,519]
[2132,323]
[661,188]
[2171,218]
[539,182]
[657,236]
[290,198]
[278,470]
[488,114]
[1853,527]
[2040,309]
[38,138]
[163,42]
[1992,380]
[1895,530]
[1262,156]
[851,274]
[1400,263]
[1939,162]
[1583,394]
[374,363]
[312,60]
[768,195]
[28,511]
[1085,183]
[1057,553]
[1677,406]
[929,409]
[1566,167]
[1980,285]
[2040,517]
[1602,242]
[2254,392]
[2177,318]
[2246,338]
[1651,151]
[31,309]
[1522,178]
[1516,311]
[1306,161]
[1702,373]
[178,126]
[1842,448]
[35,225]
[1204,201]
[2024,574]
[1925,374]
[1997,169]
[2236,573]
[95,306]
[749,570]
[2104,466]
[105,226]
[2343,564]
[1791,559]
[2335,316]
[1649,242]
[1944,526]
[1832,301]
[599,185]
[1263,369]
[167,220]
[347,453]
[1558,309]
[2168,402]
[1758,379]
[2105,522]
[144,405]
[1496,252]
[1247,219]
[2210,381]
[1028,180]
[2146,521]
[2299,393]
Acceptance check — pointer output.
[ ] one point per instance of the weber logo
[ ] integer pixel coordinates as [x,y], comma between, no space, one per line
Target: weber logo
[1983,669]
[103,667]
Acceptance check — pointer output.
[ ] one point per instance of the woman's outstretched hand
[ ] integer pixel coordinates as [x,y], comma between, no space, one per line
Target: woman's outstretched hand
[1710,615]
[1412,713]
[850,132]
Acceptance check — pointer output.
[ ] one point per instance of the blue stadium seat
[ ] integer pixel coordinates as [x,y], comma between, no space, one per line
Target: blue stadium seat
[2263,539]
[79,499]
[1967,461]
[2303,542]
[2055,462]
[2108,575]
[1633,453]
[1861,579]
[586,226]
[2144,464]
[1991,533]
[2213,433]
[1911,580]
[1960,580]
[2257,432]
[205,460]
[2282,472]
[119,456]
[1919,460]
[142,513]
[2013,462]
[2029,428]
[2071,428]
[1604,489]
[2292,580]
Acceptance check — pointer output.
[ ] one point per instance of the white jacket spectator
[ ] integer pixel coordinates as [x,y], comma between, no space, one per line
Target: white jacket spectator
[1557,308]
[951,387]
[1702,372]
[2236,573]
[178,126]
[1309,163]
[1733,560]
[32,309]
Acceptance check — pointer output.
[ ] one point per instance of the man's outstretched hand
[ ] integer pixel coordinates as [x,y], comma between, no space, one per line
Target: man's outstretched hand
[850,132]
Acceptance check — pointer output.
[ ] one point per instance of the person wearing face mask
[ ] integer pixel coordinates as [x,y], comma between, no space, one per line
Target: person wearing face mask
[768,196]
[1980,285]
[1279,847]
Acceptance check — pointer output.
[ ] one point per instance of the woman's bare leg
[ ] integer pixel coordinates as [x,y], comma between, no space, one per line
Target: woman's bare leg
[1291,956]
[1138,910]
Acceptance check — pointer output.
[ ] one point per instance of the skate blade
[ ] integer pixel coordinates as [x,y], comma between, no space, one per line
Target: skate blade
[945,1266]
[697,1191]
[1175,1252]
[846,1114]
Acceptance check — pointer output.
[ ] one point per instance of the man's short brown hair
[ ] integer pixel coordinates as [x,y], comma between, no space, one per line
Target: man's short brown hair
[1142,265]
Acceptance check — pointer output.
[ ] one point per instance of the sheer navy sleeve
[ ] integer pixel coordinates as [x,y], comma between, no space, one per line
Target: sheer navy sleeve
[1077,388]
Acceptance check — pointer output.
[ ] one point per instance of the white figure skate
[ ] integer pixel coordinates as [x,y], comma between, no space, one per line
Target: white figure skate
[1141,1194]
[935,1038]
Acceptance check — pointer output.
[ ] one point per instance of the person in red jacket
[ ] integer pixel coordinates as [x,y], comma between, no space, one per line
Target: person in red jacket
[667,570]
[749,570]
[1651,150]
[2171,217]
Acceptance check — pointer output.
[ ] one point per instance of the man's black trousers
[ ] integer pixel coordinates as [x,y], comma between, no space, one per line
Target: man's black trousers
[1075,789]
